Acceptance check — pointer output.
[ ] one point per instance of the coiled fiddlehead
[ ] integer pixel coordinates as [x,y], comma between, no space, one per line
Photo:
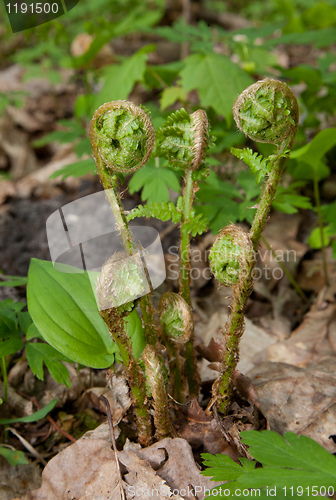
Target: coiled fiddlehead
[122,136]
[183,139]
[231,256]
[267,111]
[175,317]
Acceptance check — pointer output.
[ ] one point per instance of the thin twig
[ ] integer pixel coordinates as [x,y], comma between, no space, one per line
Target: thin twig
[51,420]
[110,422]
[27,445]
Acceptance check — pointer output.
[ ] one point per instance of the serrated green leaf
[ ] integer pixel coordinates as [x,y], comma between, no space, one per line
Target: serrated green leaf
[64,310]
[197,225]
[163,211]
[258,165]
[154,183]
[170,95]
[10,346]
[291,452]
[38,353]
[76,169]
[121,78]
[217,79]
[13,457]
[38,415]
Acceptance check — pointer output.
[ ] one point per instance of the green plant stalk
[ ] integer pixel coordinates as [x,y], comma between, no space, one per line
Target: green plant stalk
[4,378]
[267,197]
[286,272]
[235,325]
[191,361]
[134,374]
[320,221]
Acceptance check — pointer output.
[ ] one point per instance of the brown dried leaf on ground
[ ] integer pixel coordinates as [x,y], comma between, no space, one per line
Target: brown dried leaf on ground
[180,469]
[301,400]
[87,470]
[199,429]
[305,343]
[254,341]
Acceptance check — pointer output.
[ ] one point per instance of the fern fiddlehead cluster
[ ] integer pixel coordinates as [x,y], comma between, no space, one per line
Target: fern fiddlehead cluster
[267,111]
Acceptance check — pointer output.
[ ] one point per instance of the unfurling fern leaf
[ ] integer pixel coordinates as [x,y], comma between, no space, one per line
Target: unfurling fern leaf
[258,165]
[197,225]
[163,211]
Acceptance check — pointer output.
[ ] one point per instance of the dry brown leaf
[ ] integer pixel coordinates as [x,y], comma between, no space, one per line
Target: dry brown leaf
[180,469]
[200,429]
[301,400]
[303,345]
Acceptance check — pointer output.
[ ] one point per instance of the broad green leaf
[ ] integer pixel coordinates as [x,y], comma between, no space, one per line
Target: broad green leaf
[38,415]
[136,332]
[38,353]
[170,95]
[121,78]
[77,169]
[64,310]
[13,457]
[217,79]
[10,346]
[313,152]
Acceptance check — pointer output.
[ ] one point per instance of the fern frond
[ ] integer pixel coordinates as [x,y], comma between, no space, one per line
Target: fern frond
[163,211]
[197,225]
[258,165]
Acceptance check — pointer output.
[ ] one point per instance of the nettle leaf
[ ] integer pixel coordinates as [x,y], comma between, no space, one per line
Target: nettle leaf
[121,78]
[258,165]
[76,169]
[217,79]
[197,225]
[163,211]
[289,461]
[38,353]
[154,182]
[64,310]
